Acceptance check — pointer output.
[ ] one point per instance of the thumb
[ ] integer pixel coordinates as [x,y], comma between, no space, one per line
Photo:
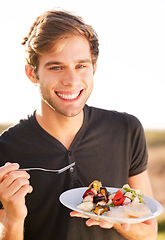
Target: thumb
[7,164]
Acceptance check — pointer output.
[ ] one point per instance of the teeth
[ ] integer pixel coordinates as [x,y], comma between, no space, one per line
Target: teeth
[69,96]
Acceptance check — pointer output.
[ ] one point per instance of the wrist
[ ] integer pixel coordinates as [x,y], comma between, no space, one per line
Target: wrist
[12,228]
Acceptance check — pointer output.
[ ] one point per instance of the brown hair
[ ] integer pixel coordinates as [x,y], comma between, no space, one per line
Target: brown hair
[51,27]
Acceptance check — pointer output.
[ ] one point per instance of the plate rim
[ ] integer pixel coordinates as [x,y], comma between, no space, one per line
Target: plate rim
[109,218]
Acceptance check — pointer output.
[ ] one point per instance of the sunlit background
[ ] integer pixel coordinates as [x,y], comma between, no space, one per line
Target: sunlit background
[131,66]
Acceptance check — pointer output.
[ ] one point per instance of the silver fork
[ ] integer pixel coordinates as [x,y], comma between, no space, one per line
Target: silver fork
[50,170]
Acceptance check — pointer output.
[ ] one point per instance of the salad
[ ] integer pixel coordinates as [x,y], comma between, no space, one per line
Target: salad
[97,199]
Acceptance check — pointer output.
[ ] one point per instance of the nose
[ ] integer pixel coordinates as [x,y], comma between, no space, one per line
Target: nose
[70,78]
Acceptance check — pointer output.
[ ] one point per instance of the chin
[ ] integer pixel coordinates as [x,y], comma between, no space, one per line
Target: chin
[70,112]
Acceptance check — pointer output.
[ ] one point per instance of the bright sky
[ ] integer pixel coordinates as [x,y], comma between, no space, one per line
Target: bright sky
[131,67]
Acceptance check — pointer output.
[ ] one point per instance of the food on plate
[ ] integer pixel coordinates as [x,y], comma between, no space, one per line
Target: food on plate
[137,210]
[99,209]
[125,196]
[117,212]
[124,202]
[98,196]
[86,206]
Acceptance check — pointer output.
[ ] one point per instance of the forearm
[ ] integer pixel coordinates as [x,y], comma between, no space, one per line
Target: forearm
[14,186]
[11,229]
[139,231]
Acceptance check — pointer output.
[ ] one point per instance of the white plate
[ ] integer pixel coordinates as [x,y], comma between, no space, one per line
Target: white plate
[73,197]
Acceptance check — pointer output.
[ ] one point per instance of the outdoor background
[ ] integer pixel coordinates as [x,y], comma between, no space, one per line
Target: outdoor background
[131,67]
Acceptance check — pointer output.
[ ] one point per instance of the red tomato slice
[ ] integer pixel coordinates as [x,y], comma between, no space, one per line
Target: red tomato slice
[119,202]
[118,195]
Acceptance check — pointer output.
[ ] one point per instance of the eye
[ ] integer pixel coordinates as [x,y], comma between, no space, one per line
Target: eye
[56,68]
[80,66]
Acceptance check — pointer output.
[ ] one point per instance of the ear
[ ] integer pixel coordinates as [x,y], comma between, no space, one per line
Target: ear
[94,68]
[30,74]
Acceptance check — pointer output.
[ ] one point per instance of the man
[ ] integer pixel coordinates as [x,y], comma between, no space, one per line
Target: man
[61,54]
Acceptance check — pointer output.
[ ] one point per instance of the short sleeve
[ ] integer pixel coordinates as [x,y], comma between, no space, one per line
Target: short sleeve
[138,151]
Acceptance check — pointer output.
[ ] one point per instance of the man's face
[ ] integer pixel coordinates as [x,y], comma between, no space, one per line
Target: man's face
[66,76]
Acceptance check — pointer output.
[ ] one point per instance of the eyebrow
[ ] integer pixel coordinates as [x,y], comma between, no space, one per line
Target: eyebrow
[62,63]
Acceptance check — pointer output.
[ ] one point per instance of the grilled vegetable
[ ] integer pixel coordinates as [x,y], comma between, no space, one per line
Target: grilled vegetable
[104,191]
[100,209]
[97,199]
[86,206]
[89,192]
[96,185]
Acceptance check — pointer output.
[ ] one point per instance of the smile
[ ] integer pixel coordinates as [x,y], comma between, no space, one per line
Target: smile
[68,96]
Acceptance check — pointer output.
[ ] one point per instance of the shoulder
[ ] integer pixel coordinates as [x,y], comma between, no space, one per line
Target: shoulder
[19,129]
[119,119]
[17,141]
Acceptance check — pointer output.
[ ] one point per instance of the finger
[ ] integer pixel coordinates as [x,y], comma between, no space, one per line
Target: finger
[78,214]
[92,222]
[7,164]
[13,176]
[14,188]
[4,170]
[148,222]
[23,191]
[102,224]
[17,201]
[11,164]
[105,224]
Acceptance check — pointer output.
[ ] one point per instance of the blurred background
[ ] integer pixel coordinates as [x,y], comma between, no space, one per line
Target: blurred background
[131,67]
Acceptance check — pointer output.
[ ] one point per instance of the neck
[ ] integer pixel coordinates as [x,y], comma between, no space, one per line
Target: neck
[63,128]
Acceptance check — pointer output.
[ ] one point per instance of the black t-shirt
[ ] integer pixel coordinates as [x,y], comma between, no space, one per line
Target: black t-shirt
[110,146]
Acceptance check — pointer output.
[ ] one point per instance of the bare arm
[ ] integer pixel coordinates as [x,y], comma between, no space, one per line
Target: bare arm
[10,229]
[146,230]
[14,186]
